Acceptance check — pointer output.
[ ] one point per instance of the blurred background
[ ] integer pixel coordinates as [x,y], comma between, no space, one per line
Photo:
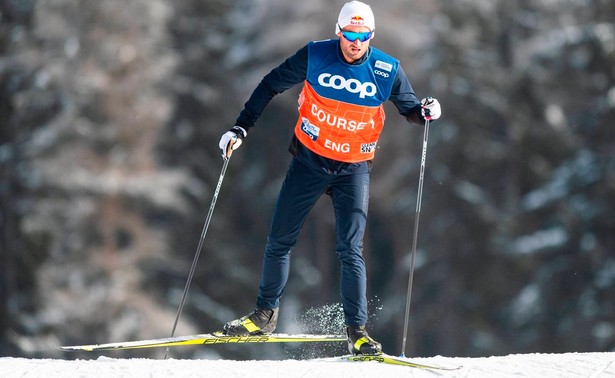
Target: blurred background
[110,116]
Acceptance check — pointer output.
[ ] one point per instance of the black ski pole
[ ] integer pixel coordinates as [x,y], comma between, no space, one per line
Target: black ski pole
[419,199]
[200,246]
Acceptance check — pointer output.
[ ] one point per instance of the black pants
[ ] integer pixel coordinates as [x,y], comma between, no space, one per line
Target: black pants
[301,189]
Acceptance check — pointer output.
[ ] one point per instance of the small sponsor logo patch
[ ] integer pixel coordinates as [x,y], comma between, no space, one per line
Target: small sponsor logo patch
[382,73]
[357,20]
[384,65]
[368,148]
[311,130]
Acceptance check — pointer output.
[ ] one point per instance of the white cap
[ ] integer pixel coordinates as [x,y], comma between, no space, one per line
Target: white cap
[355,13]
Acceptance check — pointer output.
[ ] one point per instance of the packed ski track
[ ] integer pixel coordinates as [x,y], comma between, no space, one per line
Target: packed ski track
[595,365]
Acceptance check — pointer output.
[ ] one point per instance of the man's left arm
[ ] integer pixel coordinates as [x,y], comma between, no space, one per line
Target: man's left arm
[408,105]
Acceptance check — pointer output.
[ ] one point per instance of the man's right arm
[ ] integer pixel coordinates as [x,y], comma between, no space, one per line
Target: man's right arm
[288,74]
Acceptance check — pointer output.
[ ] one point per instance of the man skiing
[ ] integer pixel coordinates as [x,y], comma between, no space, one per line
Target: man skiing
[345,82]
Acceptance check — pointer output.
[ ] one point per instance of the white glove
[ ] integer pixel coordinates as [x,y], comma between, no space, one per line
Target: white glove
[430,108]
[231,140]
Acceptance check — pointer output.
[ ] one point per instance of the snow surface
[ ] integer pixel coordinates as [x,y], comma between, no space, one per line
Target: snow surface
[527,365]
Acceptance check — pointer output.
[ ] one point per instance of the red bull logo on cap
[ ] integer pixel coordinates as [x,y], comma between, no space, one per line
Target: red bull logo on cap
[357,20]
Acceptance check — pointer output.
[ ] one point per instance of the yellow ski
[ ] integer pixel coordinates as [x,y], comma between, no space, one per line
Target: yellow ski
[392,360]
[204,339]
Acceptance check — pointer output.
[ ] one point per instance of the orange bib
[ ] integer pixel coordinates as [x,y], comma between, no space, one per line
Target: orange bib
[338,130]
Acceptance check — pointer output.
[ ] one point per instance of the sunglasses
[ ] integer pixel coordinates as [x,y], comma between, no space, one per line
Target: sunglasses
[353,36]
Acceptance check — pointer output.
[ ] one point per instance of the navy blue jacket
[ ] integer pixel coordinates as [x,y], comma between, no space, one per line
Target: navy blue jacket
[292,72]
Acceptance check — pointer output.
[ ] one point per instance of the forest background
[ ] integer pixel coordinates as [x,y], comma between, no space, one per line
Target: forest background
[110,116]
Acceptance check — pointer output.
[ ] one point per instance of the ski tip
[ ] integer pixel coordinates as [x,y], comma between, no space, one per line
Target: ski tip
[76,349]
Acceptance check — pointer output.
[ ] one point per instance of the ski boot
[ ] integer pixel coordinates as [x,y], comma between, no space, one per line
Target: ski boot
[359,342]
[258,322]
